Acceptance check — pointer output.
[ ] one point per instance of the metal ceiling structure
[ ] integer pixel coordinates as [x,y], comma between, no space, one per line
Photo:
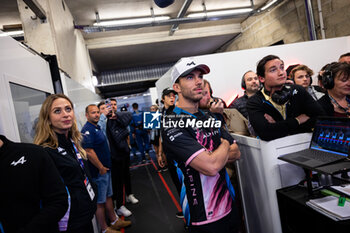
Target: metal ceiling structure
[120,49]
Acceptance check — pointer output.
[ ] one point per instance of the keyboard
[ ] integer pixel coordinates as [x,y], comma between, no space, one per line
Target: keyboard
[323,156]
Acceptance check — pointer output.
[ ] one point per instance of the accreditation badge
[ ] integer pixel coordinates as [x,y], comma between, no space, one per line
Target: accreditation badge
[89,189]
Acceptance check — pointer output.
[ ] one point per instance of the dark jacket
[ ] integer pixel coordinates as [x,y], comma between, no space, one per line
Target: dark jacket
[327,105]
[82,208]
[241,105]
[32,195]
[299,103]
[117,133]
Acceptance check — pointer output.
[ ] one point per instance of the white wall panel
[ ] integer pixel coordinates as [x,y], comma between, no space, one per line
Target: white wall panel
[228,68]
[21,66]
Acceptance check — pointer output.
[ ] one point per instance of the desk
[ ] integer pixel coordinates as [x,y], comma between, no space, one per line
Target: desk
[297,217]
[261,173]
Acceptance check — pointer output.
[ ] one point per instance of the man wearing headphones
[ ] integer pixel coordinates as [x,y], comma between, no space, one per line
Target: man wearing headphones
[302,76]
[250,84]
[279,110]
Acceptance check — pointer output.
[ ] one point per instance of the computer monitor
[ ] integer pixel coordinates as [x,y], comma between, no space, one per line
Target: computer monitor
[332,135]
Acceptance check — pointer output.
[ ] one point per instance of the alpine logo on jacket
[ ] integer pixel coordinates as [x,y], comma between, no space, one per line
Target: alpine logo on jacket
[61,151]
[21,161]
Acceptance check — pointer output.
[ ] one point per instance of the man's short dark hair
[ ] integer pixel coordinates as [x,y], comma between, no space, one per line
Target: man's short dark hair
[100,104]
[135,106]
[87,107]
[344,55]
[167,91]
[260,68]
[114,100]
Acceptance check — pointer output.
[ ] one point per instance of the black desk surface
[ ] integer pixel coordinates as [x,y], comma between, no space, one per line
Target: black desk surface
[297,217]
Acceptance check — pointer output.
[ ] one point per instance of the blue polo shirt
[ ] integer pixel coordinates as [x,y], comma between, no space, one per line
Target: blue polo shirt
[94,138]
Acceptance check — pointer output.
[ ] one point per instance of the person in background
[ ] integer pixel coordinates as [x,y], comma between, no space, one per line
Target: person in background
[345,58]
[131,142]
[168,100]
[207,196]
[139,133]
[336,80]
[155,141]
[32,195]
[114,105]
[117,134]
[336,102]
[250,84]
[58,133]
[237,123]
[210,103]
[302,76]
[278,110]
[96,146]
[103,116]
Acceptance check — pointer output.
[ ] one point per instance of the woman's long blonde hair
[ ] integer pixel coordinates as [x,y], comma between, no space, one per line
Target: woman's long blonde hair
[45,136]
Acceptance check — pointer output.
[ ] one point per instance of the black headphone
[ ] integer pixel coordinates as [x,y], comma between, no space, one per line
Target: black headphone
[282,96]
[243,83]
[327,78]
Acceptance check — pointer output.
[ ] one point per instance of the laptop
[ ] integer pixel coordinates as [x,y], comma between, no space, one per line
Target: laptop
[329,144]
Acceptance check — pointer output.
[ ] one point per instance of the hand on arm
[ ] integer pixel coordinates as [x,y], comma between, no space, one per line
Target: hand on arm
[210,164]
[95,161]
[302,118]
[269,118]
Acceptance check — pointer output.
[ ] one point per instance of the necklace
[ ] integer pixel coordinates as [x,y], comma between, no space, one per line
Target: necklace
[340,107]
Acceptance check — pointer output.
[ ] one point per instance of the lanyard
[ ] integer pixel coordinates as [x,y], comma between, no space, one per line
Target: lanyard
[340,107]
[86,181]
[80,159]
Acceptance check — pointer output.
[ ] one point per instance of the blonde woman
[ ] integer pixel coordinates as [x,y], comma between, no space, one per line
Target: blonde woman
[57,132]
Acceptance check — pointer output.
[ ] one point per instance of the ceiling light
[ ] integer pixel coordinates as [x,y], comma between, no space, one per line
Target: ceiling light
[268,5]
[12,33]
[120,22]
[220,13]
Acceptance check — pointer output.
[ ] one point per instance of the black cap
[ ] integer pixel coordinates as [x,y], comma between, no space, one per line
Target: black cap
[167,91]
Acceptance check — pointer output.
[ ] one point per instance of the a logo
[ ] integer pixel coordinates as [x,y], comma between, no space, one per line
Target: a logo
[151,120]
[21,161]
[192,63]
[61,151]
